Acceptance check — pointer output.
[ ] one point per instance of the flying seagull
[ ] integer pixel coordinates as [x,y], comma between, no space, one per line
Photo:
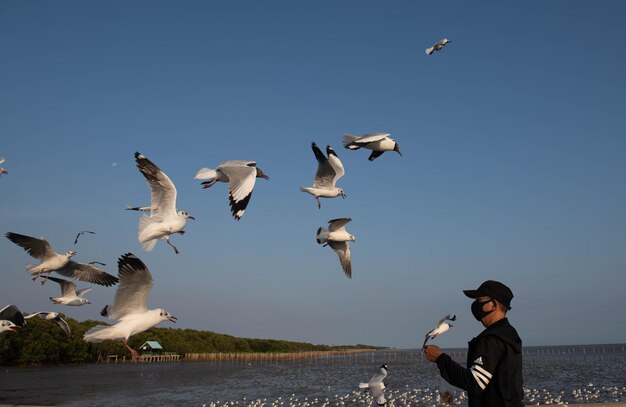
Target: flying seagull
[70,296]
[81,233]
[442,327]
[438,46]
[329,170]
[11,319]
[130,305]
[377,142]
[52,316]
[163,220]
[2,170]
[240,175]
[376,385]
[338,239]
[61,263]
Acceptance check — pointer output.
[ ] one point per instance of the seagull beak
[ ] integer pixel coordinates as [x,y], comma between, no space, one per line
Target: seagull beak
[191,217]
[16,328]
[397,150]
[88,302]
[343,195]
[72,253]
[172,318]
[265,177]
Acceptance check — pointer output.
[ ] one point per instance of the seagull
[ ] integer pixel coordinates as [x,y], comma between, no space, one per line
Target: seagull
[81,233]
[240,175]
[377,142]
[442,327]
[376,385]
[48,316]
[163,220]
[2,170]
[438,46]
[11,319]
[329,170]
[69,294]
[338,239]
[130,305]
[61,263]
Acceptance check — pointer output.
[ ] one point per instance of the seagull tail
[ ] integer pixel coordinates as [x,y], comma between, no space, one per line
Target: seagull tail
[364,385]
[430,50]
[96,335]
[206,174]
[348,139]
[146,242]
[322,235]
[32,269]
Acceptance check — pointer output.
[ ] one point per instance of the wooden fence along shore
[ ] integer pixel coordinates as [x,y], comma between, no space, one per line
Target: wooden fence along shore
[268,356]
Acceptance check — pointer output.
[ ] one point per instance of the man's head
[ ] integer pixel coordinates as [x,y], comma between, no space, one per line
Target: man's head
[492,300]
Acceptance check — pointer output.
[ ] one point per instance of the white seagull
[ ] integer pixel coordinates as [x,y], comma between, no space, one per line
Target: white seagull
[338,239]
[377,142]
[70,296]
[438,46]
[329,170]
[52,316]
[163,220]
[240,175]
[442,327]
[376,385]
[130,305]
[2,170]
[11,319]
[61,263]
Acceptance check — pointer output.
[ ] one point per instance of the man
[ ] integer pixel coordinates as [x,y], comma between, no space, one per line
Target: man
[494,358]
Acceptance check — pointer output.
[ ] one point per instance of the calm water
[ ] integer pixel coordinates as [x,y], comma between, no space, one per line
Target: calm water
[572,374]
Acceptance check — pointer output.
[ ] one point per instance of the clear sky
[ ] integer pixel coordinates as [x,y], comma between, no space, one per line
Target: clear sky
[513,167]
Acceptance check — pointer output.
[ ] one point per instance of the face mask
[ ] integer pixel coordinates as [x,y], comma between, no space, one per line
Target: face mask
[477,310]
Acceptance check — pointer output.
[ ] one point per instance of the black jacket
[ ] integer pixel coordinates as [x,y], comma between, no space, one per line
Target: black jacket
[494,374]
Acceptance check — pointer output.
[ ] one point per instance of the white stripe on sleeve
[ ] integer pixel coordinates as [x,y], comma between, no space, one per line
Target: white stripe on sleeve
[481,376]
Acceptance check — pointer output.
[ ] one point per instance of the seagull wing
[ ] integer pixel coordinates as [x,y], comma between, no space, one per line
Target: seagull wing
[449,317]
[370,138]
[325,174]
[87,272]
[63,324]
[335,163]
[337,224]
[82,291]
[343,251]
[241,179]
[163,191]
[245,163]
[13,314]
[1,160]
[38,248]
[68,289]
[135,285]
[81,233]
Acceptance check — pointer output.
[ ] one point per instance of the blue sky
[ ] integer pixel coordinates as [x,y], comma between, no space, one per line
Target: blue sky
[513,141]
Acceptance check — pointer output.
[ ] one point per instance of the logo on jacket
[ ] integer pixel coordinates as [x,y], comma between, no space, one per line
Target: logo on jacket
[479,361]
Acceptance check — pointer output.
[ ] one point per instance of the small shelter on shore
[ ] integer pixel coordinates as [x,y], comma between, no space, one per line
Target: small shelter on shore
[151,348]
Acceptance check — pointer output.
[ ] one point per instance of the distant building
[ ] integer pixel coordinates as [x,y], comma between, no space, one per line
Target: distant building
[151,348]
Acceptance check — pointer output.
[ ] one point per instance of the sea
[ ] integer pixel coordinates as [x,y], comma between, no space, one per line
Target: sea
[555,374]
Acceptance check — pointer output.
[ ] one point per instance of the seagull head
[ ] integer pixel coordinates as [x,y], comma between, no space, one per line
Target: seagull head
[85,301]
[342,194]
[352,238]
[185,215]
[166,316]
[7,325]
[71,253]
[261,174]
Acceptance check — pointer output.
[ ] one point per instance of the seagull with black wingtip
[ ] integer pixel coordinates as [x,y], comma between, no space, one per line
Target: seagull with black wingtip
[329,170]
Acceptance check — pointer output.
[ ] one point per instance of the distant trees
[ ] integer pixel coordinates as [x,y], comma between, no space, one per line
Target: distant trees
[43,342]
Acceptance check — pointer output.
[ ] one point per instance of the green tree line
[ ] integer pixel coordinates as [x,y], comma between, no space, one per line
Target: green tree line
[43,342]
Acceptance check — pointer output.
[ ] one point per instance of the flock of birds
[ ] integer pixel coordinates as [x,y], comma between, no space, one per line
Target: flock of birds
[161,220]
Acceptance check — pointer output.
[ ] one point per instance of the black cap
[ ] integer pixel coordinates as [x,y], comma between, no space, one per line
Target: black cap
[493,289]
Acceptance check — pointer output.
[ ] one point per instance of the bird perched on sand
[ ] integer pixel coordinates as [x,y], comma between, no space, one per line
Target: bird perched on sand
[377,142]
[338,239]
[61,263]
[329,170]
[442,327]
[52,316]
[69,294]
[241,176]
[376,385]
[130,305]
[2,170]
[163,219]
[11,319]
[438,46]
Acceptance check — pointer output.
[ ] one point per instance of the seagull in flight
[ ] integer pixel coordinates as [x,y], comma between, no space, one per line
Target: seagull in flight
[70,296]
[376,385]
[241,176]
[129,306]
[163,220]
[438,46]
[11,319]
[2,170]
[61,263]
[338,239]
[82,232]
[442,327]
[377,142]
[329,170]
[52,316]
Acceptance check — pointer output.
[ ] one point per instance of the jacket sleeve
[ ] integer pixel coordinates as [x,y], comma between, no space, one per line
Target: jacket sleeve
[477,376]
